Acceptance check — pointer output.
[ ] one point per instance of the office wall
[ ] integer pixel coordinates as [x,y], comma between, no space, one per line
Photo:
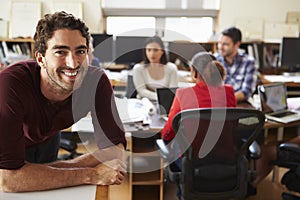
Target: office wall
[267,10]
[91,12]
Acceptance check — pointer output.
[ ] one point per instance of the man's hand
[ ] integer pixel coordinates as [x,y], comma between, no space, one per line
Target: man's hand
[110,172]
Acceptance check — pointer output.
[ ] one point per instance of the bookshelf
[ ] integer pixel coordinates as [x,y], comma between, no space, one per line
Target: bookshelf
[145,182]
[14,50]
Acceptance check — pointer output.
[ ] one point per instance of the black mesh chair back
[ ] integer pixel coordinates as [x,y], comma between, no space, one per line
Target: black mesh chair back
[213,144]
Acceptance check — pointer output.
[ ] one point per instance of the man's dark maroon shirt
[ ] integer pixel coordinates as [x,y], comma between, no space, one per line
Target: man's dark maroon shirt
[28,118]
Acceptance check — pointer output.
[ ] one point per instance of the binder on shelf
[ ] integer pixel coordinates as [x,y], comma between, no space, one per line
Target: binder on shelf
[24,17]
[293,18]
[3,28]
[251,28]
[274,32]
[2,55]
[74,7]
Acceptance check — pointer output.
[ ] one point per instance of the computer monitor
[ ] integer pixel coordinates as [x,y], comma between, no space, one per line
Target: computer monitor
[129,49]
[184,51]
[103,47]
[289,54]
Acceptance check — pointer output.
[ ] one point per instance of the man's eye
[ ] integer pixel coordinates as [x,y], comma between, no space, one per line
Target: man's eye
[83,51]
[60,52]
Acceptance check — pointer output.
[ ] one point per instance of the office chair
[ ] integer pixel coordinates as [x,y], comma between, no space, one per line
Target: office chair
[130,88]
[68,142]
[288,156]
[214,146]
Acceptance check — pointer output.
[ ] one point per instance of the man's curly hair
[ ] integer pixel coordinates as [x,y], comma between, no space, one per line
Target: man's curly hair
[52,22]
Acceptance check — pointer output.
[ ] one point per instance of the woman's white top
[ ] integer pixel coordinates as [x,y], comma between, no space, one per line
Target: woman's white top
[146,85]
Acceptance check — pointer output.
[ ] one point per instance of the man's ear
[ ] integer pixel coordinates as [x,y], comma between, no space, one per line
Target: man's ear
[237,44]
[39,59]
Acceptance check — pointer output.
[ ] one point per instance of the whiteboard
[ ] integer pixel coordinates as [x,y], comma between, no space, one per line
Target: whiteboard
[24,18]
[73,7]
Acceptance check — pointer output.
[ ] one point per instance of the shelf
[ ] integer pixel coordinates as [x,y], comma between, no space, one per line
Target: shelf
[16,40]
[157,182]
[153,192]
[147,178]
[14,50]
[146,169]
[160,12]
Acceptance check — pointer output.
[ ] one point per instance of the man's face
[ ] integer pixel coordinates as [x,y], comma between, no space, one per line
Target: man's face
[65,62]
[226,46]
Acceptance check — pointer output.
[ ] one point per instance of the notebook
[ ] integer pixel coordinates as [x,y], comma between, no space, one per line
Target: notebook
[165,98]
[273,103]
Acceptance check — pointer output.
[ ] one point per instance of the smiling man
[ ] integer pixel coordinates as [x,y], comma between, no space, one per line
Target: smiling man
[39,98]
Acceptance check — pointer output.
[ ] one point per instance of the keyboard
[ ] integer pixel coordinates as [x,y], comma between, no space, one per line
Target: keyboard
[284,114]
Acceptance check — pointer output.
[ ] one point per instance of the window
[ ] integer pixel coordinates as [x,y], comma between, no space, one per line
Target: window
[147,18]
[131,26]
[133,4]
[188,28]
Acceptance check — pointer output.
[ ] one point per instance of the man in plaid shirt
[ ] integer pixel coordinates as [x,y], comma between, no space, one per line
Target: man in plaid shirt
[240,70]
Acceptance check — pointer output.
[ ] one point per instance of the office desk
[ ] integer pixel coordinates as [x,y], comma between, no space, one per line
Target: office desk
[85,192]
[141,131]
[292,82]
[102,192]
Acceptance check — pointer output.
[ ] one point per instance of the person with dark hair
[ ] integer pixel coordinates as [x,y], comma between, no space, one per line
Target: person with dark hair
[40,97]
[240,69]
[209,91]
[154,71]
[93,60]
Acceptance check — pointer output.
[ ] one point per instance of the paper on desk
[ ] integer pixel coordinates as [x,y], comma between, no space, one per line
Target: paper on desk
[293,103]
[86,192]
[148,106]
[84,125]
[130,110]
[282,78]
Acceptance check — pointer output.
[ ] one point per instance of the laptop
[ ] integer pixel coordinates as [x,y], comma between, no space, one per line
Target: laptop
[273,103]
[165,98]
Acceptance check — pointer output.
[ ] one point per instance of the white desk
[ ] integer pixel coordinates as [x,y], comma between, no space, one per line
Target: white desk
[74,193]
[87,192]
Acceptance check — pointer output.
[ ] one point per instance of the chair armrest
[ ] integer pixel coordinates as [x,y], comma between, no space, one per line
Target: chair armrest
[163,149]
[254,151]
[291,147]
[288,155]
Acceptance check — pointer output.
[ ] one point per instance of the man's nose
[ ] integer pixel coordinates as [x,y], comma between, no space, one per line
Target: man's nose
[71,60]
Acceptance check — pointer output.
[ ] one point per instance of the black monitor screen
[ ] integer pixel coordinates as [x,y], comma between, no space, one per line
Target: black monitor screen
[103,47]
[289,54]
[183,51]
[129,49]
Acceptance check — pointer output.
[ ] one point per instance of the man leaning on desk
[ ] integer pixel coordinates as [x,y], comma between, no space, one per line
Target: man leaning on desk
[39,98]
[240,69]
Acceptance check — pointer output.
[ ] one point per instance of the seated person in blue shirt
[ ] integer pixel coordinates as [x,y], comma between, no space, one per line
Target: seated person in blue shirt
[240,70]
[93,60]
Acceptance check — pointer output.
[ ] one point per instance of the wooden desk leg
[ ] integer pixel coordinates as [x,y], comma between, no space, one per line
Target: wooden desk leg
[275,177]
[102,192]
[280,134]
[266,132]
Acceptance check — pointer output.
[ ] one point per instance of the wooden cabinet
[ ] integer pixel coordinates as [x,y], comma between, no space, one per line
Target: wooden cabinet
[14,50]
[146,168]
